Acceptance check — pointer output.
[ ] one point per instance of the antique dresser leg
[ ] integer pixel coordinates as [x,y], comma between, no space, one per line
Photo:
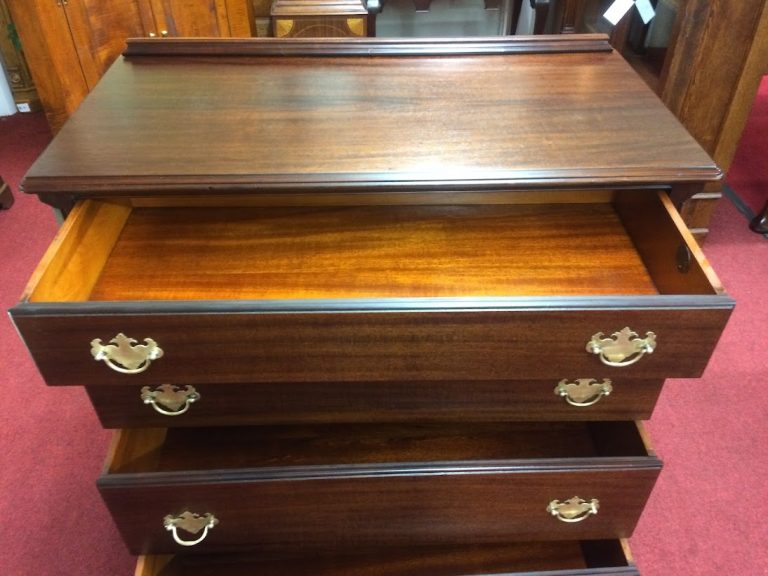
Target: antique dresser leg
[759,223]
[6,196]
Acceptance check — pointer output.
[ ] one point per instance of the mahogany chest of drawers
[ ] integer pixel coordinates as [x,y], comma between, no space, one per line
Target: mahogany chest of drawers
[373,307]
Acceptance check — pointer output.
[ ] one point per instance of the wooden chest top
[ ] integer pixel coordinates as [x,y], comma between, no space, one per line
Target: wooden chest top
[265,115]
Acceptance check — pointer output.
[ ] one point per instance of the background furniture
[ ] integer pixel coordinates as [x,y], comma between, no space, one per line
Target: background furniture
[69,44]
[707,71]
[341,364]
[319,19]
[19,76]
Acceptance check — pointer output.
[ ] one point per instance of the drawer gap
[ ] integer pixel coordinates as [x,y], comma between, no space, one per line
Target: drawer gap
[479,560]
[349,444]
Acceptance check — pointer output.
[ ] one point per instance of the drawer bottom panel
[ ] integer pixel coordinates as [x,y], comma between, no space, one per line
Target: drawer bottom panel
[353,402]
[591,557]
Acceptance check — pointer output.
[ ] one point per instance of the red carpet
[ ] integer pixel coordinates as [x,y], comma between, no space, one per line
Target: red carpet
[707,514]
[749,172]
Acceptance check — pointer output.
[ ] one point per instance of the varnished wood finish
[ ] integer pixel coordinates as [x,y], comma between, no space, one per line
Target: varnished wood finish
[663,234]
[87,35]
[297,402]
[99,29]
[58,77]
[76,257]
[603,557]
[202,18]
[524,338]
[272,487]
[15,64]
[349,316]
[319,19]
[523,111]
[529,559]
[371,252]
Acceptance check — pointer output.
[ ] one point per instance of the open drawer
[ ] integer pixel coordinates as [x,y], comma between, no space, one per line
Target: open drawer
[588,558]
[337,488]
[603,285]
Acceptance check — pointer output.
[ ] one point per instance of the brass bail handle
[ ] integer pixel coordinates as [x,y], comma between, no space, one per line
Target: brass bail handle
[192,523]
[584,391]
[126,355]
[574,509]
[170,400]
[623,348]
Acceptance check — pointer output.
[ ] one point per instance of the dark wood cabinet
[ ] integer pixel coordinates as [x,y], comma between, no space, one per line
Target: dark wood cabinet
[426,335]
[705,60]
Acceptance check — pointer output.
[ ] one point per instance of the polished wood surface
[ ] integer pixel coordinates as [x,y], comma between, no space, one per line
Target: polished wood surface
[76,257]
[69,45]
[327,402]
[202,18]
[712,75]
[371,252]
[538,119]
[604,557]
[480,483]
[527,339]
[15,64]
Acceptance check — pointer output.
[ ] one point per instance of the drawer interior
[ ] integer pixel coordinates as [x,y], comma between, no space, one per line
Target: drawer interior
[477,560]
[266,447]
[629,244]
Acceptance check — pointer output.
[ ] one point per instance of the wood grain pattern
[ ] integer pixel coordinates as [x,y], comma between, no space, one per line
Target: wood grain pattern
[305,403]
[59,79]
[602,557]
[659,234]
[534,339]
[301,475]
[371,252]
[99,29]
[75,258]
[203,18]
[527,126]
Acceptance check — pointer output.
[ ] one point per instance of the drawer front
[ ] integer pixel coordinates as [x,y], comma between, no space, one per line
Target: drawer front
[300,402]
[532,340]
[396,508]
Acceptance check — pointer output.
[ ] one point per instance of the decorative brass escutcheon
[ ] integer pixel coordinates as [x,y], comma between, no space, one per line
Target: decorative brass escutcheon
[624,348]
[124,355]
[177,400]
[574,509]
[584,391]
[192,523]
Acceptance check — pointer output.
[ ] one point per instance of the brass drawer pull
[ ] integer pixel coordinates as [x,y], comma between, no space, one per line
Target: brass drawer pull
[192,523]
[177,400]
[584,391]
[124,355]
[624,348]
[574,509]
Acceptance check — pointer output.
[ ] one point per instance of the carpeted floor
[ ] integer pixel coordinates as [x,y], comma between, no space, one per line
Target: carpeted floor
[705,517]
